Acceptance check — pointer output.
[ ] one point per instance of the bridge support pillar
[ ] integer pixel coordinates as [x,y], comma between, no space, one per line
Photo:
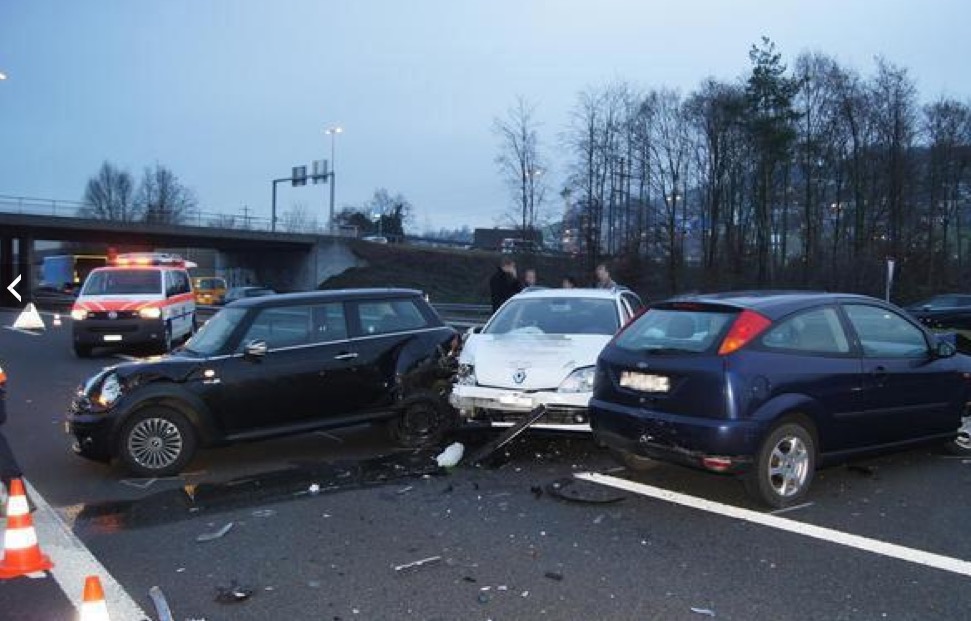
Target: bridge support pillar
[25,267]
[6,271]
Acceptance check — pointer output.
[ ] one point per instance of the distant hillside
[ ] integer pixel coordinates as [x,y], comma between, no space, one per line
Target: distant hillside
[446,275]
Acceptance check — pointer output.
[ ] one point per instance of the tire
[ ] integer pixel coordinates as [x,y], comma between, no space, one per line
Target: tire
[423,421]
[82,351]
[784,467]
[961,445]
[634,463]
[156,441]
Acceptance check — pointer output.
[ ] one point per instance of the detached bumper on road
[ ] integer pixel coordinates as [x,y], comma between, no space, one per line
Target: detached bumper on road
[498,407]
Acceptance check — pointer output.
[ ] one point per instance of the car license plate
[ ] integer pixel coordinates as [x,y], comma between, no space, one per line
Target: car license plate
[515,400]
[112,338]
[645,382]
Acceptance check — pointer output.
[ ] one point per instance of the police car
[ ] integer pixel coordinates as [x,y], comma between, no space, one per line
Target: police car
[139,299]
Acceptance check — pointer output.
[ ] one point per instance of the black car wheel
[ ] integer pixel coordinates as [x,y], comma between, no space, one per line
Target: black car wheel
[156,441]
[784,467]
[82,351]
[423,421]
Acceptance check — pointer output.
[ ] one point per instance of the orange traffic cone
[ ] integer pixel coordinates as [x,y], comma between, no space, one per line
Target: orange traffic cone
[21,554]
[93,606]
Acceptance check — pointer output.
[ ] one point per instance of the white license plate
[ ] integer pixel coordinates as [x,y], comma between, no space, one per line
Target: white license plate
[111,338]
[645,382]
[514,400]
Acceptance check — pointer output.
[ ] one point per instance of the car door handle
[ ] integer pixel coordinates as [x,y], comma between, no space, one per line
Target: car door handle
[348,356]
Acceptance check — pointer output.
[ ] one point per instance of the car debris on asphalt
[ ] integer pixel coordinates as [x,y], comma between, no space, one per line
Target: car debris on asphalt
[451,456]
[161,604]
[432,560]
[703,611]
[216,534]
[233,594]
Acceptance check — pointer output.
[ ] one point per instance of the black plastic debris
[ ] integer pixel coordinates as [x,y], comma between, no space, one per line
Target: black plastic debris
[584,492]
[508,436]
[554,576]
[233,594]
[537,491]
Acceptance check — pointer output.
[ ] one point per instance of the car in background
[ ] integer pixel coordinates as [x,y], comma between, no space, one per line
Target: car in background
[950,312]
[272,366]
[769,386]
[539,348]
[209,290]
[239,293]
[138,299]
[375,239]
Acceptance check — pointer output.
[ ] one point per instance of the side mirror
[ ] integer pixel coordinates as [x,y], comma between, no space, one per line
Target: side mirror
[254,350]
[945,349]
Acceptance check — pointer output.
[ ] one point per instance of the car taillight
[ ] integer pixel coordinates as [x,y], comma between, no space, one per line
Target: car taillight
[748,326]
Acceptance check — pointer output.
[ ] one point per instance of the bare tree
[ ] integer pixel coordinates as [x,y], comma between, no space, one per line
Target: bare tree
[298,219]
[162,198]
[109,195]
[520,162]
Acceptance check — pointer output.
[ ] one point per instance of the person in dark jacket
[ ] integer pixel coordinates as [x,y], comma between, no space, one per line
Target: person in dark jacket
[9,468]
[504,284]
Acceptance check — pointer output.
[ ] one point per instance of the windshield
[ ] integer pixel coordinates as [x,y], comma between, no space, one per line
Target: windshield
[212,336]
[556,316]
[123,282]
[670,331]
[206,284]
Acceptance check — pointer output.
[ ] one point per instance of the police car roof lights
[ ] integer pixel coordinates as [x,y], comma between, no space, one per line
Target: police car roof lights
[151,259]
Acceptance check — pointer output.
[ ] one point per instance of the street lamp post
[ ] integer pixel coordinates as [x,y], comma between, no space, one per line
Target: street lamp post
[332,132]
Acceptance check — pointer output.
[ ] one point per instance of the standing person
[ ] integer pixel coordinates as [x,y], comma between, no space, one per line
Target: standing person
[503,284]
[604,281]
[569,282]
[529,278]
[9,468]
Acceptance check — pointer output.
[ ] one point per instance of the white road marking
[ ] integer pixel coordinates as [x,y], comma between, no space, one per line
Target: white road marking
[73,562]
[875,546]
[13,329]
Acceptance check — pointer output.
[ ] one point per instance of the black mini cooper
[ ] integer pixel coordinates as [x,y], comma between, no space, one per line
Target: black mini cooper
[274,366]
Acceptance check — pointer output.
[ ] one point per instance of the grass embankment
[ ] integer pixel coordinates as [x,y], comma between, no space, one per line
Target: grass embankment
[446,275]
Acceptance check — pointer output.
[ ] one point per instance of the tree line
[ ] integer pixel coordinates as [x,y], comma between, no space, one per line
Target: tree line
[807,175]
[159,197]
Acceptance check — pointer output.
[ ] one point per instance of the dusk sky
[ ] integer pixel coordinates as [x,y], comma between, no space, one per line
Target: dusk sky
[231,94]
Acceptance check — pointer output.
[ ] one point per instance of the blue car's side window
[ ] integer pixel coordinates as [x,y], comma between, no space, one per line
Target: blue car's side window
[817,331]
[885,334]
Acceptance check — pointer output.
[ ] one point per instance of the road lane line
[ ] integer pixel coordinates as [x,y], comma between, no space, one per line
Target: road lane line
[875,546]
[73,562]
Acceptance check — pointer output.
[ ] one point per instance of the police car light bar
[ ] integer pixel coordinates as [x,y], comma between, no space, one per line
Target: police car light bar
[149,258]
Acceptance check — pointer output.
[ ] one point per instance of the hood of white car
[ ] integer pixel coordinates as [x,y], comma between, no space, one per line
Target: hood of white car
[530,362]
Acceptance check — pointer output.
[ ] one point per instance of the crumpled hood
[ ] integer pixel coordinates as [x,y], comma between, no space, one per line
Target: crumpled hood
[541,362]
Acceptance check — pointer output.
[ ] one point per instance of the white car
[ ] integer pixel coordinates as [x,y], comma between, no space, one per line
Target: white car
[540,348]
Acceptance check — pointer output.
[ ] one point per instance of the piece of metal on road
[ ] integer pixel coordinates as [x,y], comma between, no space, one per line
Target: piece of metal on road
[73,562]
[509,435]
[874,546]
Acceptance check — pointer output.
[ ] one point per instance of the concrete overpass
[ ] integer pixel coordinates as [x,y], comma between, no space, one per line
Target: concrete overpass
[288,261]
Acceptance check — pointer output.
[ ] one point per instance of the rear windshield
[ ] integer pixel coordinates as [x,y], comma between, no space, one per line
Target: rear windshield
[674,331]
[556,316]
[123,282]
[210,283]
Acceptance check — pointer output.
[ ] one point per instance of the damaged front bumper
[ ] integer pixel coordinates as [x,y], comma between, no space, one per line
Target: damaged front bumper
[497,407]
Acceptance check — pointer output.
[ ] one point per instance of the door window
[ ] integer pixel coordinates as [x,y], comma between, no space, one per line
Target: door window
[815,332]
[885,334]
[281,327]
[329,324]
[386,316]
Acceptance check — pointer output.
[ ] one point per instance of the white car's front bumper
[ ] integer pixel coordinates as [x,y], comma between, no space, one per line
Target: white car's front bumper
[479,403]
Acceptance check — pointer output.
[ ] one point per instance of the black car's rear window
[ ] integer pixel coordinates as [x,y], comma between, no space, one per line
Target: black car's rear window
[675,331]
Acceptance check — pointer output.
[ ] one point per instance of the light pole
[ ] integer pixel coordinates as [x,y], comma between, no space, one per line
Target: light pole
[332,132]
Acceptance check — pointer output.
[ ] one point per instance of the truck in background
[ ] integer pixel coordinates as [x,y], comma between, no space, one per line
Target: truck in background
[66,273]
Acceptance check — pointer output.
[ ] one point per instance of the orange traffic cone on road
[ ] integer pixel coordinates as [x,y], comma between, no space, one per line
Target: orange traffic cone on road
[93,606]
[21,554]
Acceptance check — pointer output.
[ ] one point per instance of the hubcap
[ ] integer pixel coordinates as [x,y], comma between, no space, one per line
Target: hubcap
[788,466]
[964,434]
[155,443]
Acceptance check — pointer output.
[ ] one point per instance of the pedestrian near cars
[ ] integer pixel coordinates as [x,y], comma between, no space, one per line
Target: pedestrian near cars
[569,282]
[504,284]
[529,278]
[9,468]
[604,281]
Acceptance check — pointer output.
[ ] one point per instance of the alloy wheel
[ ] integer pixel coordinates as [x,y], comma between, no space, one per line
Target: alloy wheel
[155,443]
[788,466]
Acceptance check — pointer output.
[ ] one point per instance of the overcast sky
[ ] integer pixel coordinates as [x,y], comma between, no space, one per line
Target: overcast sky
[231,94]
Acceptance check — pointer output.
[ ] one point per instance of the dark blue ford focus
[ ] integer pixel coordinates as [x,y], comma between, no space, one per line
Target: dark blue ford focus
[770,385]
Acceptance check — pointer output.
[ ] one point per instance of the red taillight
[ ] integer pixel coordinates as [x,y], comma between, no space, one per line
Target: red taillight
[748,326]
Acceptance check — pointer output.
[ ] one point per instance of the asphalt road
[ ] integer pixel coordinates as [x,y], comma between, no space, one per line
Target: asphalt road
[519,540]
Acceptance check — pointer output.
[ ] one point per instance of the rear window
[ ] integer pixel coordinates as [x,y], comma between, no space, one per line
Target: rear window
[674,331]
[387,316]
[556,316]
[123,282]
[207,284]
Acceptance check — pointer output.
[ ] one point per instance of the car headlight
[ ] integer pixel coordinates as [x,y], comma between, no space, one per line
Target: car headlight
[580,380]
[79,314]
[150,313]
[110,390]
[465,375]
